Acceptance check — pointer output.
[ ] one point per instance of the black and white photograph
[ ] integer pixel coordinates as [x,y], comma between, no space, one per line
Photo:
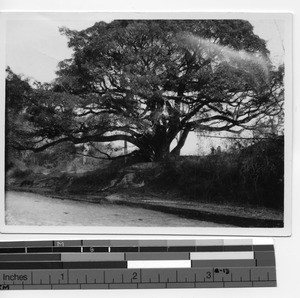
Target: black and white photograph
[144,121]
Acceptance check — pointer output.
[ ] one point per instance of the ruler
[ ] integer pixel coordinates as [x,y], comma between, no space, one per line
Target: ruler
[136,264]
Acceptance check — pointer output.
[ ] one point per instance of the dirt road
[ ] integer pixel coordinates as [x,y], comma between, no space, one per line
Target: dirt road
[23,208]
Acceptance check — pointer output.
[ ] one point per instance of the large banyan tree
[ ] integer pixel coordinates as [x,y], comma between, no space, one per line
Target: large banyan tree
[149,83]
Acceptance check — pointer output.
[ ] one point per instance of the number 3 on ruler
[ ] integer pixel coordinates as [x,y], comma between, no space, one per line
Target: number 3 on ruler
[208,274]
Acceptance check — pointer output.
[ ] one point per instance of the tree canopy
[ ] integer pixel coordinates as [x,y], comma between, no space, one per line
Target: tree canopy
[149,83]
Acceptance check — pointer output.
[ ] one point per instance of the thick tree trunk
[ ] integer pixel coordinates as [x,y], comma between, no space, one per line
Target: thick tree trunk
[162,152]
[157,147]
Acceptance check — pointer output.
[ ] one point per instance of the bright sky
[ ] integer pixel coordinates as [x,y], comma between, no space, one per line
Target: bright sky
[34,47]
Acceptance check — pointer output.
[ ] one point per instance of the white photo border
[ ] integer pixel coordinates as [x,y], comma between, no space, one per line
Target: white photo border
[285,231]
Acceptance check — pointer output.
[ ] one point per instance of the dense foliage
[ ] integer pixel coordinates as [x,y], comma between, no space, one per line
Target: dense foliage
[252,176]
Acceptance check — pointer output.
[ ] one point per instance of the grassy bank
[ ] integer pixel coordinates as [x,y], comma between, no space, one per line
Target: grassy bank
[251,177]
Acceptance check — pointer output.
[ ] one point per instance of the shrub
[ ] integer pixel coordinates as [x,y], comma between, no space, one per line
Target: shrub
[262,172]
[252,176]
[20,174]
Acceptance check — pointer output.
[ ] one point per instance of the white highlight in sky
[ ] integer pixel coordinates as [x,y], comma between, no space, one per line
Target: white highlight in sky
[224,53]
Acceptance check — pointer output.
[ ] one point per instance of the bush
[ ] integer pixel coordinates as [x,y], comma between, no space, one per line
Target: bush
[252,176]
[20,174]
[199,179]
[262,172]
